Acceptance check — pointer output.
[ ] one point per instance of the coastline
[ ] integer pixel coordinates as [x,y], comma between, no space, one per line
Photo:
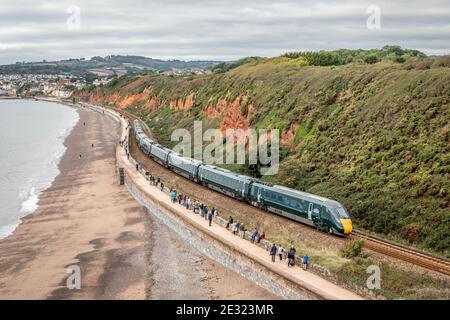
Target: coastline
[85,219]
[50,169]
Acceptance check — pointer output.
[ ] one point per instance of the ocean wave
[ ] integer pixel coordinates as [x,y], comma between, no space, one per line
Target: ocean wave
[8,230]
[39,179]
[31,203]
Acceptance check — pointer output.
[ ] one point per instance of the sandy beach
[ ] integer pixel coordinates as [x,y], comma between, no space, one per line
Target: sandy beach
[85,219]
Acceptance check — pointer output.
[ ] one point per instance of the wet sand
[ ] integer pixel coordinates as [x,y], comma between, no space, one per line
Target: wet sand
[86,219]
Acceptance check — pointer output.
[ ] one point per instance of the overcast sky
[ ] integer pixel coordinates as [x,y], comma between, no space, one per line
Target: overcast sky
[33,30]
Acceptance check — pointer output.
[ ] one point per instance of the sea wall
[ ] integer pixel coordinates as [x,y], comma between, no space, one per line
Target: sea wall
[219,251]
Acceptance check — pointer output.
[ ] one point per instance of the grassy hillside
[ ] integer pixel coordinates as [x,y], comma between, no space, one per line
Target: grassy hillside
[374,135]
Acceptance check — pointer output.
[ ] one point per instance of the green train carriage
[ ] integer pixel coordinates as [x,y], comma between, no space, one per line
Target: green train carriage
[316,211]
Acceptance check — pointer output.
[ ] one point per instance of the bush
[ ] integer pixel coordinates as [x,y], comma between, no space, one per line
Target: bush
[352,249]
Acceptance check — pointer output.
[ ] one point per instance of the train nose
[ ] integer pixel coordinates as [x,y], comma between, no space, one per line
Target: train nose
[347,224]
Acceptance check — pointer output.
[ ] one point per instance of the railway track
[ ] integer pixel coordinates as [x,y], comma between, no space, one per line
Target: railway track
[403,253]
[388,248]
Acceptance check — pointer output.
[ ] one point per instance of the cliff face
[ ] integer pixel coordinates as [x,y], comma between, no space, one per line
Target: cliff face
[375,137]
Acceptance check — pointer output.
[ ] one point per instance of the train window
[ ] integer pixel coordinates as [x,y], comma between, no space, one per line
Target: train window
[341,213]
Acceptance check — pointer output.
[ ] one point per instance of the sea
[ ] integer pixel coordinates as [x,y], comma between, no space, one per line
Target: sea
[32,135]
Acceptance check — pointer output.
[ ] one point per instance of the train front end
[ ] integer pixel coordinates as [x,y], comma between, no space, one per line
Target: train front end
[343,222]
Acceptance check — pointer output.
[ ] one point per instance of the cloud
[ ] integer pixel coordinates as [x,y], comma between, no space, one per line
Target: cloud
[215,29]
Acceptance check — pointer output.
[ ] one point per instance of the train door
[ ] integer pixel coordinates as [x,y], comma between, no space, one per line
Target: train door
[316,214]
[310,209]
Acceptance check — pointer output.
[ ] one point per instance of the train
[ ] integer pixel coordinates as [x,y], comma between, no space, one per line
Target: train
[313,210]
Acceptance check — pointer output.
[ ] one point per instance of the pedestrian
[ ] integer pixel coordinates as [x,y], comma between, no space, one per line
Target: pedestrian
[92,145]
[188,203]
[79,156]
[281,254]
[195,206]
[162,187]
[137,166]
[254,235]
[242,231]
[262,236]
[205,210]
[174,196]
[230,222]
[291,257]
[305,262]
[273,252]
[210,217]
[237,225]
[214,211]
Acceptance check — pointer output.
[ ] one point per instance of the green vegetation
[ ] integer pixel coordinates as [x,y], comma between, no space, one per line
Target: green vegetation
[352,249]
[345,56]
[115,63]
[396,283]
[371,132]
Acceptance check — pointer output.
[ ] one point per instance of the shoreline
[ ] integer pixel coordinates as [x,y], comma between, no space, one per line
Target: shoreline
[58,157]
[85,219]
[49,236]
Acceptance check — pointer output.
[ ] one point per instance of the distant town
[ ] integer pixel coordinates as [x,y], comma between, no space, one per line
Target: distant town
[61,78]
[60,86]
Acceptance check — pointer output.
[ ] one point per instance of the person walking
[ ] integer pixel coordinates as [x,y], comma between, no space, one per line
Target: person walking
[196,206]
[254,235]
[174,196]
[273,252]
[242,231]
[206,212]
[210,217]
[237,225]
[262,236]
[291,257]
[305,262]
[281,254]
[230,222]
[162,187]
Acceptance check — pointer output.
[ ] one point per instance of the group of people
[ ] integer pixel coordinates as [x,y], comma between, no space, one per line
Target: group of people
[236,227]
[124,144]
[289,255]
[154,180]
[138,166]
[256,236]
[196,206]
